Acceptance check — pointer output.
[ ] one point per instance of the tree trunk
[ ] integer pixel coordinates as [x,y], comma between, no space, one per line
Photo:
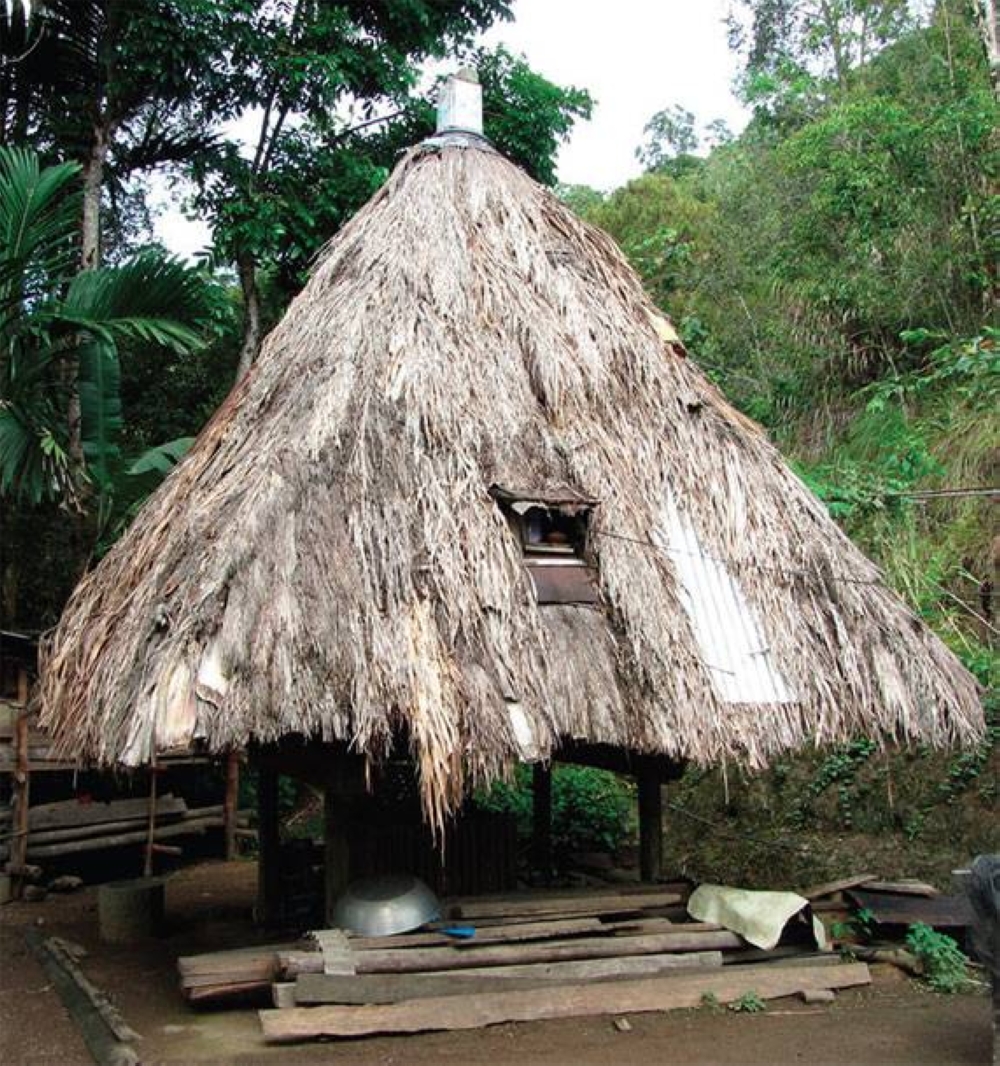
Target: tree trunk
[93,182]
[94,166]
[250,345]
[985,15]
[841,63]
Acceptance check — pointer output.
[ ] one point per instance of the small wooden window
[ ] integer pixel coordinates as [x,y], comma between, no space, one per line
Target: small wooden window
[553,530]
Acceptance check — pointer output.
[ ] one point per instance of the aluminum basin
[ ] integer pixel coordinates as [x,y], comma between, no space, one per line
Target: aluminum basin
[383,906]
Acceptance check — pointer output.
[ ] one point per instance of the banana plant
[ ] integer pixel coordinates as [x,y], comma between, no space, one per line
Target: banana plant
[62,333]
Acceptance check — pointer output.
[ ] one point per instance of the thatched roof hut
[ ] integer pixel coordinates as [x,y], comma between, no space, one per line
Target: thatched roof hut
[474,493]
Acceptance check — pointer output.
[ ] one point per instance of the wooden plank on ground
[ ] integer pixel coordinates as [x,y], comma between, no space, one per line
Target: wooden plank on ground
[903,888]
[256,974]
[600,969]
[411,960]
[477,1010]
[830,888]
[393,988]
[227,991]
[947,912]
[234,960]
[491,934]
[617,903]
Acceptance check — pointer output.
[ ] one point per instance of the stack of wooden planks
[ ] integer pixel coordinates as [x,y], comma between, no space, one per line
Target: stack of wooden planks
[70,827]
[588,954]
[892,904]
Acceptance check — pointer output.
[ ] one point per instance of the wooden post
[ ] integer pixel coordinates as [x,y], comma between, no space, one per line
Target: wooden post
[541,819]
[22,786]
[650,824]
[268,844]
[336,847]
[231,802]
[147,866]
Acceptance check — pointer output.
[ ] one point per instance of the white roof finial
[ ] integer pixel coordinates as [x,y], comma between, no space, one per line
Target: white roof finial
[460,104]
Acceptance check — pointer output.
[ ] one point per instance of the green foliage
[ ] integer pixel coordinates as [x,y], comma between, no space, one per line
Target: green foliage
[944,964]
[710,1002]
[62,332]
[525,115]
[592,810]
[749,1003]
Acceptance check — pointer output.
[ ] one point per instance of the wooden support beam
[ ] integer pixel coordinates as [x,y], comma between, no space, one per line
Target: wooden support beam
[336,847]
[541,819]
[21,786]
[269,840]
[231,802]
[650,824]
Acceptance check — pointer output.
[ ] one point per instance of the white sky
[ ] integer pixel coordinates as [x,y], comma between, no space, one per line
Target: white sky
[635,57]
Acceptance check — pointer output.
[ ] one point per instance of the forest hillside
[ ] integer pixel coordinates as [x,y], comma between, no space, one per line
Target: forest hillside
[834,269]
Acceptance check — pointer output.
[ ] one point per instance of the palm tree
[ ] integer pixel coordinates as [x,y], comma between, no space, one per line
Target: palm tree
[60,336]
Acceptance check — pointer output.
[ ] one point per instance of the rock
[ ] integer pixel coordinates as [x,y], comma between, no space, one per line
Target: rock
[34,893]
[623,1025]
[66,883]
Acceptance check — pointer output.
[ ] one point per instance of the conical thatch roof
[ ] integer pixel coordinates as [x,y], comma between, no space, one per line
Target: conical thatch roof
[329,559]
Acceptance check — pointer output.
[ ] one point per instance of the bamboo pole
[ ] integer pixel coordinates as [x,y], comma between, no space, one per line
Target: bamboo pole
[147,866]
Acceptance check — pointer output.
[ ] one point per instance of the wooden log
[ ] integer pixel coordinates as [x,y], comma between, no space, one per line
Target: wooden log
[903,888]
[433,959]
[391,961]
[600,969]
[315,988]
[138,836]
[67,813]
[102,1043]
[234,960]
[641,926]
[232,990]
[477,1010]
[830,888]
[67,954]
[567,906]
[82,832]
[492,934]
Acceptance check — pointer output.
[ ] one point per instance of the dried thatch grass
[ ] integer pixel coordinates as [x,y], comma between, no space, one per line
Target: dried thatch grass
[328,560]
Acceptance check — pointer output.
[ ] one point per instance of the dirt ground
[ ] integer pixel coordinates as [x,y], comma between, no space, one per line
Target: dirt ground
[893,1021]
